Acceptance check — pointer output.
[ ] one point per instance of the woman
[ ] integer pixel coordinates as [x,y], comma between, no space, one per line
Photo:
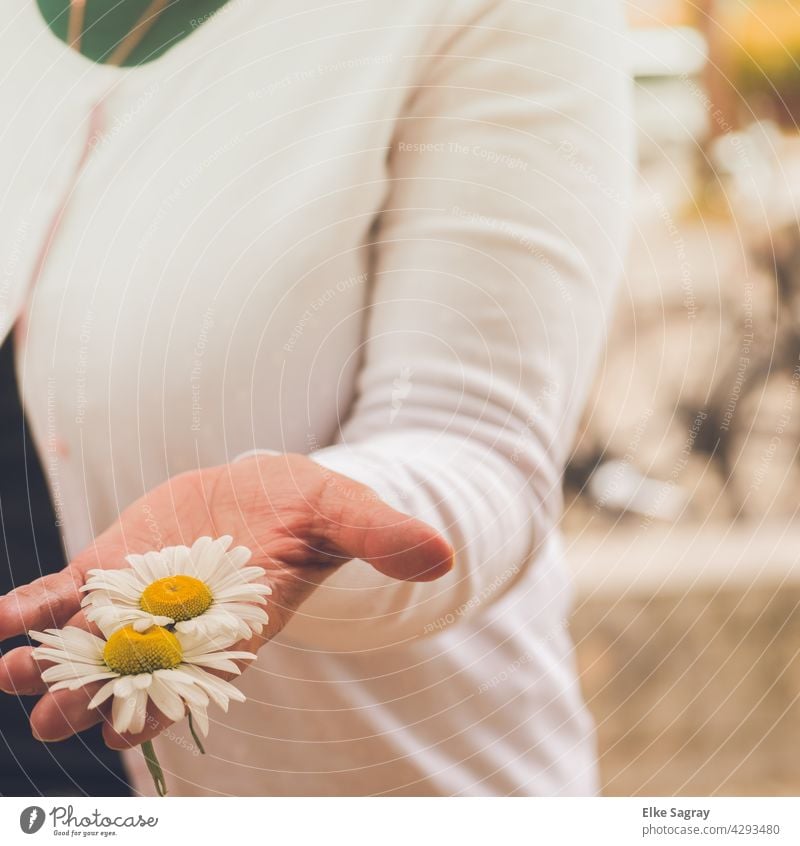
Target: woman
[379,240]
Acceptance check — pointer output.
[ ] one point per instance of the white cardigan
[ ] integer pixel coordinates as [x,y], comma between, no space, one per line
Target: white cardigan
[383,233]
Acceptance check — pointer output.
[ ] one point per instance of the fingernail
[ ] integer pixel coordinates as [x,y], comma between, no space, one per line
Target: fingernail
[41,739]
[118,746]
[49,739]
[19,691]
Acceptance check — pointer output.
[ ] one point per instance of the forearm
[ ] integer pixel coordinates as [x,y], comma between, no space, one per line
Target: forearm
[492,287]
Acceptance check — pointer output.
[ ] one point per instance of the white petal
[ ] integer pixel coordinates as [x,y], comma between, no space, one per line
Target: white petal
[218,689]
[186,687]
[211,557]
[122,584]
[105,691]
[104,595]
[182,563]
[239,556]
[124,576]
[230,620]
[60,672]
[194,643]
[224,665]
[243,593]
[74,684]
[146,622]
[243,611]
[142,681]
[174,676]
[224,579]
[125,583]
[139,711]
[200,718]
[101,597]
[72,641]
[215,629]
[217,696]
[134,559]
[114,617]
[166,699]
[199,547]
[197,649]
[209,629]
[58,656]
[123,687]
[157,565]
[122,711]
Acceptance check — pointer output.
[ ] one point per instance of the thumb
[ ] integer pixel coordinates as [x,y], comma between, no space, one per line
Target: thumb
[358,524]
[45,603]
[49,602]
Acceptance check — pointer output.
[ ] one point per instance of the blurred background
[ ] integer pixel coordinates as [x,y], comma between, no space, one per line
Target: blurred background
[682,491]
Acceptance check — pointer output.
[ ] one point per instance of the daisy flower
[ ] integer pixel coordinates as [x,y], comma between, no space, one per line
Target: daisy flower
[169,669]
[203,589]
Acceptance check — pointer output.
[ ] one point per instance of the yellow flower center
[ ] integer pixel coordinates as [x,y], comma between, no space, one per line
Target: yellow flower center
[129,652]
[178,597]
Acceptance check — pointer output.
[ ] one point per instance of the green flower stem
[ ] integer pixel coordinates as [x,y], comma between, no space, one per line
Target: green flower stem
[155,768]
[194,735]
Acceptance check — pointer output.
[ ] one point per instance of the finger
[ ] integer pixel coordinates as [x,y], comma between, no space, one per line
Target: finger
[51,601]
[57,716]
[360,525]
[46,603]
[20,673]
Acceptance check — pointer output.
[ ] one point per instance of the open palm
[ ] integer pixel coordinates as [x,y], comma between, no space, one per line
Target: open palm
[301,522]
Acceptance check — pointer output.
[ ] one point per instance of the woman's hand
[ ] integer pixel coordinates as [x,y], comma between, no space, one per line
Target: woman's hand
[301,522]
